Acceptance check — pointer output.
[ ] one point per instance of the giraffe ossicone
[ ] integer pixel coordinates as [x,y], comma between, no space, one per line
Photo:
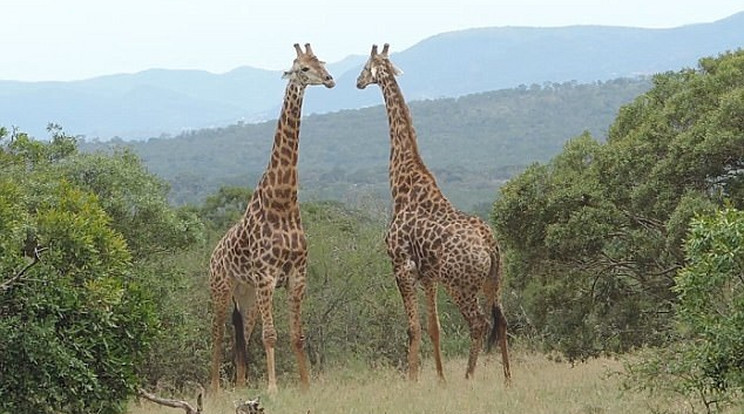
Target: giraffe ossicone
[267,248]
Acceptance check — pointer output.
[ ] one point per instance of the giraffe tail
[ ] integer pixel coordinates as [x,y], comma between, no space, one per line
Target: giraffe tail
[497,319]
[241,353]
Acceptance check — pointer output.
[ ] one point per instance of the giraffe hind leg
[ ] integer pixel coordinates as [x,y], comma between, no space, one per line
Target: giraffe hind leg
[434,327]
[220,302]
[477,322]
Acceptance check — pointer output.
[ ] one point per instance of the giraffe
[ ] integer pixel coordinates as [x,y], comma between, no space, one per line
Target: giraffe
[429,241]
[267,247]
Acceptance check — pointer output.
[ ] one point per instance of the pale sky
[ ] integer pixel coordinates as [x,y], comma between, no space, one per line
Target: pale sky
[80,39]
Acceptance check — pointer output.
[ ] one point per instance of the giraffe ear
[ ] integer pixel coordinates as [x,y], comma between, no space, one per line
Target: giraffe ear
[397,71]
[286,74]
[373,71]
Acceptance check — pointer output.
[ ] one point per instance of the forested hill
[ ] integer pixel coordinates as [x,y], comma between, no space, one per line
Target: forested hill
[155,102]
[472,143]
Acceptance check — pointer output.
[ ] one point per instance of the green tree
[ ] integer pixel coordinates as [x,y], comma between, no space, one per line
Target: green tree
[224,209]
[595,235]
[705,363]
[78,323]
[711,301]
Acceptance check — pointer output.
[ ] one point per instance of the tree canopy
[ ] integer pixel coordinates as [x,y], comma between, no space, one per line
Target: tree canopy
[76,316]
[595,235]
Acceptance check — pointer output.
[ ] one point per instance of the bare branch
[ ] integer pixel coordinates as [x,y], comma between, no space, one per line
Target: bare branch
[8,283]
[174,403]
[666,271]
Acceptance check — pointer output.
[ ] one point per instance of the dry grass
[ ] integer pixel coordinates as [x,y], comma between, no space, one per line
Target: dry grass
[539,386]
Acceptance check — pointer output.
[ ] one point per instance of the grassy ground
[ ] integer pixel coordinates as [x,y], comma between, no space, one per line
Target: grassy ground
[539,386]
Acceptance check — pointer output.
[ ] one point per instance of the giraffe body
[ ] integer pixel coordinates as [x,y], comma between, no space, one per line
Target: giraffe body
[429,241]
[267,248]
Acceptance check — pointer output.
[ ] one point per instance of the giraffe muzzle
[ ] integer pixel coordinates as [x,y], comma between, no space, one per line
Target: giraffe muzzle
[329,82]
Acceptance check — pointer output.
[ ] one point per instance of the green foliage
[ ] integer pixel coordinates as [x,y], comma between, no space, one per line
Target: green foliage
[77,322]
[705,362]
[225,208]
[711,299]
[74,327]
[181,349]
[180,280]
[136,201]
[595,235]
[352,305]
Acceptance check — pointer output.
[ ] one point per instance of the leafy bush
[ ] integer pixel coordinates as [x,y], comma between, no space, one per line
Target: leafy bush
[79,309]
[76,323]
[711,298]
[705,363]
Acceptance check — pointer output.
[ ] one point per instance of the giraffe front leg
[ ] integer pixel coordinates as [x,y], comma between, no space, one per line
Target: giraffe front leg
[264,299]
[296,287]
[407,287]
[430,288]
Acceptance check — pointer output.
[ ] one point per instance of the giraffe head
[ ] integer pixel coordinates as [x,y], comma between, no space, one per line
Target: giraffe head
[307,69]
[377,65]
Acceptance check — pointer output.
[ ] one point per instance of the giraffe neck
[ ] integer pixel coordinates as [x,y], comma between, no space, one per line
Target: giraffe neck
[410,180]
[278,186]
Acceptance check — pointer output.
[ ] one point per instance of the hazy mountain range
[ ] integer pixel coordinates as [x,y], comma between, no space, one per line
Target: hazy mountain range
[156,102]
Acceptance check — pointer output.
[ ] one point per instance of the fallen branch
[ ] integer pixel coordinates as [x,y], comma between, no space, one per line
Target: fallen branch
[174,403]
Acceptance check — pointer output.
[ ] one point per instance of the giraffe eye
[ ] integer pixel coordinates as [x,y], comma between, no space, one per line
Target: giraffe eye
[305,69]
